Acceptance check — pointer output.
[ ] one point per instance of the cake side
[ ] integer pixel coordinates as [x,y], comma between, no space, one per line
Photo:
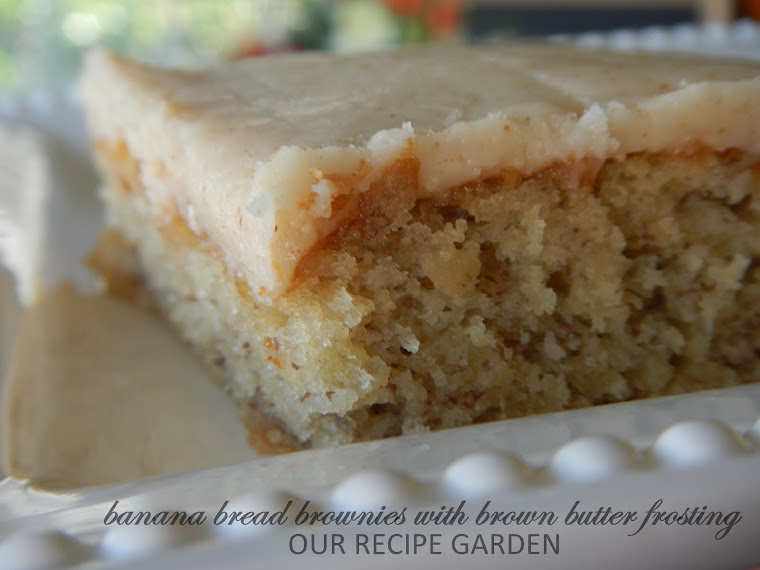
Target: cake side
[266,157]
[516,295]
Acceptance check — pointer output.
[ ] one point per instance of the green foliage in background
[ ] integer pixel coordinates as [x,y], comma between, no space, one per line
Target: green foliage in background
[42,41]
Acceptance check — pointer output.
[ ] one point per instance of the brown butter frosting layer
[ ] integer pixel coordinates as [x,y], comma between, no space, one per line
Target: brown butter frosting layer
[260,155]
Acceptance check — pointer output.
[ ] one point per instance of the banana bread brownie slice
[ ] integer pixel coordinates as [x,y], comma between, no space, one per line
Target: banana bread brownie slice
[374,244]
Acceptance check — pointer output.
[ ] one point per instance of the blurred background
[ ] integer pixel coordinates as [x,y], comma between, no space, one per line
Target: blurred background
[41,41]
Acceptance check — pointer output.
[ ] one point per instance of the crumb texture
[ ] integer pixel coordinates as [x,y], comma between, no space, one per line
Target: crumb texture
[584,283]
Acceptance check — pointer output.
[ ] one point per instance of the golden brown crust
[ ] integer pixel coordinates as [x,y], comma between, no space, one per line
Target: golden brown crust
[265,435]
[114,261]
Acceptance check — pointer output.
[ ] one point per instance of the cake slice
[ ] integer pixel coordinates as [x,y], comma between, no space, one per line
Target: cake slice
[369,245]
